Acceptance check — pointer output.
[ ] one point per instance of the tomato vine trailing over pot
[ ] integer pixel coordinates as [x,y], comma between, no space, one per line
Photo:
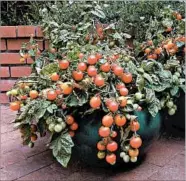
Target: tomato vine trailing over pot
[97,76]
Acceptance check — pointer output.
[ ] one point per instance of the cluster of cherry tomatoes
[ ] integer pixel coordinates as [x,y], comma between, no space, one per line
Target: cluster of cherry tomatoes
[169,45]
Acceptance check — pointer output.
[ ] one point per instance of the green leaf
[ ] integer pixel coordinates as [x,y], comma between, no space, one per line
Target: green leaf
[140,82]
[154,107]
[50,109]
[132,67]
[117,36]
[174,90]
[62,148]
[167,22]
[98,13]
[150,95]
[147,65]
[50,68]
[77,99]
[148,77]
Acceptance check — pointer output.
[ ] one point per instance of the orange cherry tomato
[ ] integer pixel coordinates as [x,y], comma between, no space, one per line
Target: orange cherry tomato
[113,106]
[69,119]
[107,120]
[95,102]
[101,146]
[92,60]
[80,55]
[64,64]
[71,133]
[77,75]
[123,101]
[33,94]
[126,78]
[112,146]
[113,134]
[98,56]
[92,71]
[74,126]
[66,88]
[82,66]
[123,91]
[147,50]
[15,106]
[51,95]
[133,152]
[54,77]
[135,142]
[99,81]
[178,16]
[120,85]
[118,70]
[134,126]
[105,67]
[111,159]
[120,120]
[104,131]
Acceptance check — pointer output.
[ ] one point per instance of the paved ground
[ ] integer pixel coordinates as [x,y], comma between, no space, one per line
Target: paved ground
[164,161]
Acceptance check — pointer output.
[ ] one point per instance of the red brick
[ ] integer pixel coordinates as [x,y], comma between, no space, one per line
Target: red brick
[39,32]
[29,61]
[8,31]
[4,72]
[3,98]
[6,85]
[25,31]
[3,44]
[47,45]
[15,44]
[20,71]
[10,58]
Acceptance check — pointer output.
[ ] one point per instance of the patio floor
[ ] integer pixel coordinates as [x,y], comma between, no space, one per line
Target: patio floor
[165,160]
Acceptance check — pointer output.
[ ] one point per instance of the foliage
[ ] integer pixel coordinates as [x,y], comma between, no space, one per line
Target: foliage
[100,72]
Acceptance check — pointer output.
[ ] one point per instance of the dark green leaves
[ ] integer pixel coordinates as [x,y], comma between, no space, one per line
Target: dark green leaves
[62,148]
[77,99]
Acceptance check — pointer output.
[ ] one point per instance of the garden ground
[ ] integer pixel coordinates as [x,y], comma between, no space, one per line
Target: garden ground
[165,160]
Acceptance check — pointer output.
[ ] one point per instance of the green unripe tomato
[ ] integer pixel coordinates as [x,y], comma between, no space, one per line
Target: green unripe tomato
[122,154]
[174,107]
[134,159]
[171,111]
[101,154]
[63,124]
[135,106]
[175,78]
[126,59]
[14,92]
[162,103]
[31,144]
[179,70]
[138,96]
[48,121]
[8,93]
[51,127]
[177,74]
[59,120]
[126,158]
[169,104]
[58,128]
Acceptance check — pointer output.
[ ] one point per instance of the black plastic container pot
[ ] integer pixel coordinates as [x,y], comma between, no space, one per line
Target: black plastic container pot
[86,138]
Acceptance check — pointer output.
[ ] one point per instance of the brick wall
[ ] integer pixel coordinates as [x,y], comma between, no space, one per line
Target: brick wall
[11,68]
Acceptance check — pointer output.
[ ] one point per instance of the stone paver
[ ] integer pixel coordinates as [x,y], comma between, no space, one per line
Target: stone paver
[164,160]
[174,170]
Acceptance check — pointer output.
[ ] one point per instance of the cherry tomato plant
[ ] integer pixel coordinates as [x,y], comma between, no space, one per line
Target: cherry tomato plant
[102,73]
